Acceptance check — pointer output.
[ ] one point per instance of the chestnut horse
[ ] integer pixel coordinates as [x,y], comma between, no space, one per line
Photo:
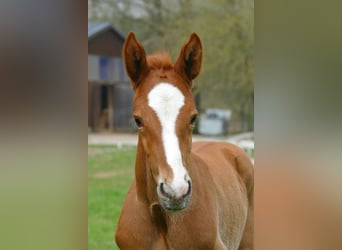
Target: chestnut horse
[185,195]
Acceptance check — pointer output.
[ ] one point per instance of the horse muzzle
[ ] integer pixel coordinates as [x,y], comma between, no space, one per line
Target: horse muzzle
[172,200]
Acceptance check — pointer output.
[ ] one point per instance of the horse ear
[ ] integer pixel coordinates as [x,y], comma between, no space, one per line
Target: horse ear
[189,61]
[135,60]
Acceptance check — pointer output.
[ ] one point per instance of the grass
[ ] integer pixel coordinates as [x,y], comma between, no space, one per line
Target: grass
[110,173]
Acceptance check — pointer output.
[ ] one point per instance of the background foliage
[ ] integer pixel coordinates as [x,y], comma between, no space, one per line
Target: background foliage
[226,31]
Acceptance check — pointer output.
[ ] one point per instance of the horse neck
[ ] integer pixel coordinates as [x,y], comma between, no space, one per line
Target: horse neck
[146,193]
[146,186]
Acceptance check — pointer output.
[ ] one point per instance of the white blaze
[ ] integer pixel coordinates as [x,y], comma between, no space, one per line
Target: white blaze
[167,100]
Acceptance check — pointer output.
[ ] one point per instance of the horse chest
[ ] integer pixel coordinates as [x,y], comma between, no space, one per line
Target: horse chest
[189,232]
[183,237]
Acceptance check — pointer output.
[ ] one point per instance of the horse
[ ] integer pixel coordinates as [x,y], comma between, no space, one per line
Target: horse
[184,195]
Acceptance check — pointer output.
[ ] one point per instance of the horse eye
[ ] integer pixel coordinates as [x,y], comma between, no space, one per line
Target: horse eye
[193,120]
[138,122]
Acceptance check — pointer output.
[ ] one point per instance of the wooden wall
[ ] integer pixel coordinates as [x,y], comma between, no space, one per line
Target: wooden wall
[109,107]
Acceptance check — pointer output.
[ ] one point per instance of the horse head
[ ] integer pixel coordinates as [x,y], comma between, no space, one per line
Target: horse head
[165,114]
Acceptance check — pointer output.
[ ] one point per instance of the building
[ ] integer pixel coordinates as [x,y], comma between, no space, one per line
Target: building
[109,91]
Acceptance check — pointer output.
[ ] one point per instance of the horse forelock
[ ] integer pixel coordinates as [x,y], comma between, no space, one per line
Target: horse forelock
[159,60]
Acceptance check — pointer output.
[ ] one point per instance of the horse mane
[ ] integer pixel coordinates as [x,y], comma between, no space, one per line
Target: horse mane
[159,60]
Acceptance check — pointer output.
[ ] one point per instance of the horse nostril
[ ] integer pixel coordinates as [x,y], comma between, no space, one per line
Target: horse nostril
[189,190]
[163,192]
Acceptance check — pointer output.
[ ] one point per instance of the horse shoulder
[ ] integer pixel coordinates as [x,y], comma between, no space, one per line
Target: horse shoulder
[232,172]
[134,229]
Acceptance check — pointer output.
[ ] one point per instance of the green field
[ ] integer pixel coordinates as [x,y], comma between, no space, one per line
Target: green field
[110,173]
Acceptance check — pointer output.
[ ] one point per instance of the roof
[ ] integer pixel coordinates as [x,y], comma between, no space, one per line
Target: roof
[96,28]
